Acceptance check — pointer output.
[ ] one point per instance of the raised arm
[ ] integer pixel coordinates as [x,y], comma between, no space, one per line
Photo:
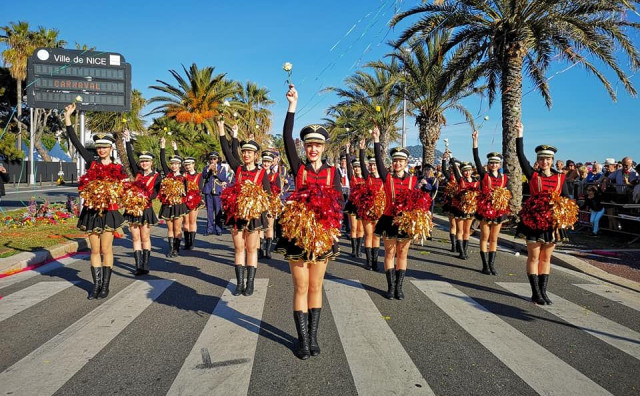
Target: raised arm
[233,162]
[84,153]
[382,171]
[163,156]
[476,155]
[456,171]
[527,169]
[132,161]
[349,166]
[361,158]
[235,144]
[287,131]
[445,167]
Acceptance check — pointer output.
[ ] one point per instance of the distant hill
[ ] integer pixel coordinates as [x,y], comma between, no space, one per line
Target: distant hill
[416,152]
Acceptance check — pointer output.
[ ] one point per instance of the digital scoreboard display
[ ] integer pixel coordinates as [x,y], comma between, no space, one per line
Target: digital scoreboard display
[57,77]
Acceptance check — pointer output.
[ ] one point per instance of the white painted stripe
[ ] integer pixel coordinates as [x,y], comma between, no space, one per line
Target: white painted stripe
[221,361]
[27,298]
[378,362]
[54,265]
[46,369]
[543,371]
[624,297]
[612,333]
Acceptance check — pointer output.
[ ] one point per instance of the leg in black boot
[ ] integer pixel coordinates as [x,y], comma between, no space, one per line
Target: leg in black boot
[368,254]
[146,253]
[374,258]
[261,249]
[399,280]
[303,351]
[193,239]
[353,247]
[452,238]
[485,265]
[137,257]
[187,237]
[459,249]
[544,280]
[170,252]
[535,290]
[251,276]
[176,247]
[96,274]
[267,248]
[492,261]
[391,283]
[314,320]
[240,271]
[106,279]
[358,247]
[465,245]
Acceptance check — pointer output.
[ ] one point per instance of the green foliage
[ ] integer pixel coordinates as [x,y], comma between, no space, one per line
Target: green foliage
[49,140]
[8,147]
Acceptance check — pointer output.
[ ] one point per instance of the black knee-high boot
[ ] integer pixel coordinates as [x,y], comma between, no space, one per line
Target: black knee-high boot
[391,283]
[374,258]
[267,248]
[353,247]
[492,261]
[240,271]
[176,247]
[137,256]
[544,280]
[459,249]
[535,289]
[465,245]
[314,320]
[187,238]
[251,276]
[485,264]
[303,350]
[367,254]
[452,238]
[146,253]
[106,279]
[192,239]
[358,247]
[261,249]
[96,274]
[171,244]
[399,280]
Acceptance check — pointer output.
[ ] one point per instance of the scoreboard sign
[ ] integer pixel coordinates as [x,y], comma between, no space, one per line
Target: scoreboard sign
[98,81]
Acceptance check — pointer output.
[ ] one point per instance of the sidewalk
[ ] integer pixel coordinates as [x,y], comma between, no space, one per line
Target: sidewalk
[24,260]
[567,258]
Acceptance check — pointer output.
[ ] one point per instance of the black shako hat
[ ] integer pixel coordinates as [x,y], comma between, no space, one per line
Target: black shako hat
[355,163]
[145,156]
[249,145]
[175,158]
[399,153]
[103,140]
[465,166]
[494,157]
[267,156]
[428,166]
[214,154]
[371,160]
[189,160]
[544,151]
[314,133]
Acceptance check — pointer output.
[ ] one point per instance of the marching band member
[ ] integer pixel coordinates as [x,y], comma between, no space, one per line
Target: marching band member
[193,201]
[173,189]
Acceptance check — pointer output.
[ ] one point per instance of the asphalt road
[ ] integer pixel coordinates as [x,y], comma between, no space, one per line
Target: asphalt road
[178,330]
[20,197]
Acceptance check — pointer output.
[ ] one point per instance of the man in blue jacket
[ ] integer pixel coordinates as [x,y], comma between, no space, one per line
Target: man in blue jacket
[215,180]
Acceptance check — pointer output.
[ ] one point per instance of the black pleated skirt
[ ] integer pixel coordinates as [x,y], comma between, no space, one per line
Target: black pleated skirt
[460,215]
[497,220]
[92,221]
[148,217]
[550,235]
[386,229]
[170,212]
[250,225]
[291,251]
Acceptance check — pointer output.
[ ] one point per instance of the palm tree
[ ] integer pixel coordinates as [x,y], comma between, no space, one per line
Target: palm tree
[344,125]
[431,89]
[197,99]
[371,97]
[504,38]
[116,123]
[252,102]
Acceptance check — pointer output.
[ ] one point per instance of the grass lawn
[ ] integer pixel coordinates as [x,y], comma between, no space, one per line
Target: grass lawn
[27,239]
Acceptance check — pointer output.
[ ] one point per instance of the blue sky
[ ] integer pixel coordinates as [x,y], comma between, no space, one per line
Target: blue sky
[326,42]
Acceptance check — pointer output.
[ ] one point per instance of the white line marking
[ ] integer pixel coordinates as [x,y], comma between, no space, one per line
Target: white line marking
[54,265]
[624,297]
[30,296]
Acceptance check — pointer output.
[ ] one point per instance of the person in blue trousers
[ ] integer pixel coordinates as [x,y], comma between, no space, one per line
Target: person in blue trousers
[215,180]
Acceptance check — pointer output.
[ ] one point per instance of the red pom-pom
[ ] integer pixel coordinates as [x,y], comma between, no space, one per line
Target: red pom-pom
[536,212]
[409,200]
[229,199]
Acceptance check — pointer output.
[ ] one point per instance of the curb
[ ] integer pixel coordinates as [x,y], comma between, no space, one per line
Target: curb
[23,260]
[561,259]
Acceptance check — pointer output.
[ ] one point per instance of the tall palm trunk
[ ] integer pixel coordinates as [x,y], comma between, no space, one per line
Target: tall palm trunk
[40,117]
[122,152]
[429,134]
[511,87]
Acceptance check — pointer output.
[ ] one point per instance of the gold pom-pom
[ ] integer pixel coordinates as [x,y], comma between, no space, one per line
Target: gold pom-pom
[134,200]
[468,201]
[100,194]
[300,225]
[500,197]
[451,189]
[417,224]
[192,185]
[172,190]
[275,205]
[252,201]
[564,211]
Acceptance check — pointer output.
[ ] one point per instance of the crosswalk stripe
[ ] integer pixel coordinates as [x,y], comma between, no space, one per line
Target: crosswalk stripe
[370,345]
[543,371]
[46,369]
[221,360]
[612,333]
[630,299]
[54,265]
[30,296]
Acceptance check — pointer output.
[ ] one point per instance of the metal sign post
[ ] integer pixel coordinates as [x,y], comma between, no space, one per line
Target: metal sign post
[32,133]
